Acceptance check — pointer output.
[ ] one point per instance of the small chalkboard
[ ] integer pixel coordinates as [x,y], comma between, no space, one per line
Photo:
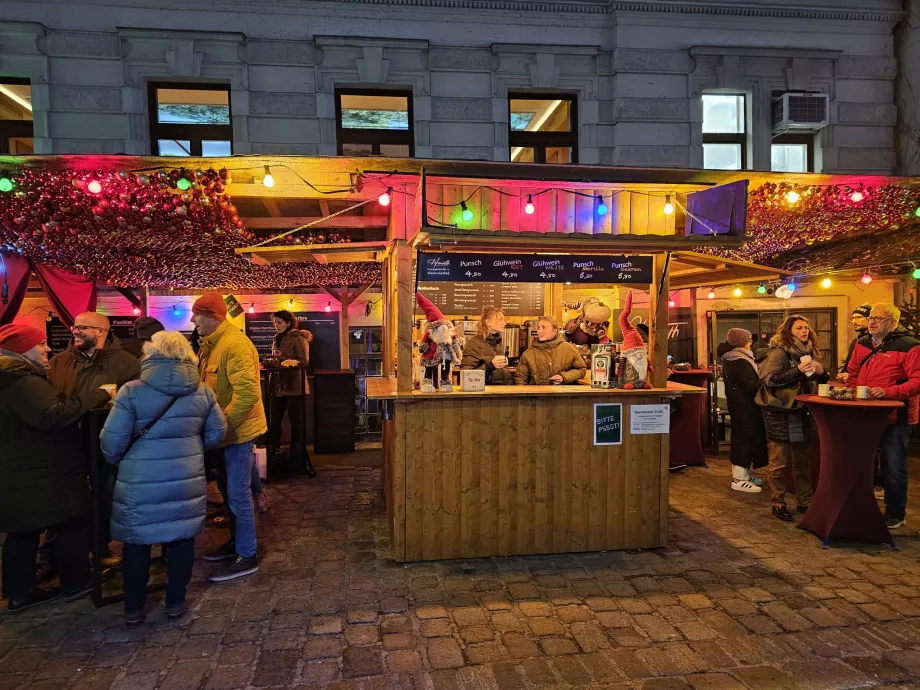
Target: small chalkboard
[324,349]
[59,335]
[468,299]
[608,424]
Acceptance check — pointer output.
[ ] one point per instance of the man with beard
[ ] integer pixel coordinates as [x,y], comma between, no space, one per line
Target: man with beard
[95,358]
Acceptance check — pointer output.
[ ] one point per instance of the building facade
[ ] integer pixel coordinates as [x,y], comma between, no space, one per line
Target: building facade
[656,83]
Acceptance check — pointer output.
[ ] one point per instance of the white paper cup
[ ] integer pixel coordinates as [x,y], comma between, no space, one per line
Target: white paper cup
[824,390]
[862,392]
[806,359]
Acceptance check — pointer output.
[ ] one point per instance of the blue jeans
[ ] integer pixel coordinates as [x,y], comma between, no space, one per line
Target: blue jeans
[894,453]
[234,479]
[256,481]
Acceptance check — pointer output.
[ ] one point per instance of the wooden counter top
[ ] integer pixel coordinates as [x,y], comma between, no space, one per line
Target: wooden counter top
[385,389]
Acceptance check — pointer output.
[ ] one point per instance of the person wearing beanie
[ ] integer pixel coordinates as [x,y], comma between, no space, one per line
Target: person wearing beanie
[42,471]
[742,381]
[144,328]
[229,364]
[859,319]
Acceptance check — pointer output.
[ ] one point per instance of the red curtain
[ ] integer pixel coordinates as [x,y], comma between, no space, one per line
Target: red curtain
[69,293]
[14,279]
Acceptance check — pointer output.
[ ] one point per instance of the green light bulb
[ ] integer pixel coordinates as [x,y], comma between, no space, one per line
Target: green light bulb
[762,290]
[916,274]
[6,184]
[183,184]
[467,215]
[917,212]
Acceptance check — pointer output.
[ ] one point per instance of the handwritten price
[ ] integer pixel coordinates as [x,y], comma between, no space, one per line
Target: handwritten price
[472,274]
[585,276]
[506,274]
[547,275]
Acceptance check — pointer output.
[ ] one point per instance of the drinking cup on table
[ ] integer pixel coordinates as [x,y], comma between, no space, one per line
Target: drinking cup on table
[824,390]
[109,388]
[862,392]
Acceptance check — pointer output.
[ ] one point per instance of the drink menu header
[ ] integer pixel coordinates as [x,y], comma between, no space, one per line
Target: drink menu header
[531,268]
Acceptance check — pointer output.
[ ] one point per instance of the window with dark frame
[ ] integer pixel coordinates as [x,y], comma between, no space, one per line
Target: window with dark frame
[190,119]
[374,122]
[543,128]
[724,131]
[16,129]
[793,153]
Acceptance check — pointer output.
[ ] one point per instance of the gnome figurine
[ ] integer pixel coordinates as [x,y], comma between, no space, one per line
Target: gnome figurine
[635,369]
[440,347]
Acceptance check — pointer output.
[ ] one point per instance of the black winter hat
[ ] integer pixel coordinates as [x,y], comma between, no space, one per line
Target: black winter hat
[146,326]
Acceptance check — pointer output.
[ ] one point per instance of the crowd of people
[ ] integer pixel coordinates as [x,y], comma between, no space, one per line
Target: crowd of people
[771,428]
[178,400]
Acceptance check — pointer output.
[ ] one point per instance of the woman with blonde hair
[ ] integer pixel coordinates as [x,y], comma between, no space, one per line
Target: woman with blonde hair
[486,351]
[550,361]
[792,367]
[157,434]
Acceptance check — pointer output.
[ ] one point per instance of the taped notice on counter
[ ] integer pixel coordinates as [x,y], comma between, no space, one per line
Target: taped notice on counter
[650,419]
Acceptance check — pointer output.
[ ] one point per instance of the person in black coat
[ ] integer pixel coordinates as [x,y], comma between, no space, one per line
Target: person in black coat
[742,381]
[42,471]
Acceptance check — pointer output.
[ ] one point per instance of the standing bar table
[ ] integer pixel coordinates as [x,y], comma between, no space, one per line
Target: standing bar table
[844,506]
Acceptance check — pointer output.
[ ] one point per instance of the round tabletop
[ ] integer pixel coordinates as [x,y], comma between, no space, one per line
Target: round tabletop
[878,403]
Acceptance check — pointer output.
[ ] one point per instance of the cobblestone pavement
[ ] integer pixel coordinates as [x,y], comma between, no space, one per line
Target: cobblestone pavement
[738,600]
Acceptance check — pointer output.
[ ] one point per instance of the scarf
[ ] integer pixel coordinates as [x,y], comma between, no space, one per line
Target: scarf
[740,353]
[494,339]
[800,349]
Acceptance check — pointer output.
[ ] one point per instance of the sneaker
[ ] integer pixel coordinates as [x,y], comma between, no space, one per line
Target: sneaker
[262,503]
[782,512]
[746,486]
[879,492]
[238,567]
[222,552]
[133,619]
[754,480]
[37,598]
[895,522]
[175,611]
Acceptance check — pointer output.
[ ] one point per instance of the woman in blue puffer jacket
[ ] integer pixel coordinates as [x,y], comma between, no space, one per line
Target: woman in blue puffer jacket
[161,491]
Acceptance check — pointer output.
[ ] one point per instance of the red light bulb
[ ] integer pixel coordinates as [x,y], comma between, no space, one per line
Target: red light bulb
[672,303]
[384,199]
[94,187]
[856,197]
[136,311]
[866,279]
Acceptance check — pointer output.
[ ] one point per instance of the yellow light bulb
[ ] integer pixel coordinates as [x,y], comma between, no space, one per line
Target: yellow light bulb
[792,197]
[737,292]
[268,180]
[826,283]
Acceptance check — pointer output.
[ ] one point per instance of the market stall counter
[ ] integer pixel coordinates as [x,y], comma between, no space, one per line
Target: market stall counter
[517,470]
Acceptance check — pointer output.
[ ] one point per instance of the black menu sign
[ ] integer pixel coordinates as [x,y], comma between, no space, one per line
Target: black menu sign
[462,299]
[59,335]
[534,268]
[324,350]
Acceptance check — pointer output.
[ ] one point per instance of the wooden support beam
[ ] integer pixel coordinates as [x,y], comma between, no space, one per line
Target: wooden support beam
[272,207]
[404,301]
[387,306]
[361,290]
[658,322]
[343,328]
[332,293]
[337,223]
[324,207]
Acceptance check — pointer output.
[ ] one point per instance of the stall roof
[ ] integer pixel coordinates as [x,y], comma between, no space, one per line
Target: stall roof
[320,253]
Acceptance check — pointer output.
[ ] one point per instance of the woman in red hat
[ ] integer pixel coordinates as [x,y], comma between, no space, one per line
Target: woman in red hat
[42,471]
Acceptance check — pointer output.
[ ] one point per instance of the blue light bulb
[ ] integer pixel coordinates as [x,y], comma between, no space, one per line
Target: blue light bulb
[601,207]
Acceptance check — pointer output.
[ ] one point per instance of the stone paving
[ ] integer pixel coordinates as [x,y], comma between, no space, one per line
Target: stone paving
[738,600]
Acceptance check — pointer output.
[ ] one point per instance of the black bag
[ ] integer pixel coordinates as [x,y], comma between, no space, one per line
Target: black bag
[143,432]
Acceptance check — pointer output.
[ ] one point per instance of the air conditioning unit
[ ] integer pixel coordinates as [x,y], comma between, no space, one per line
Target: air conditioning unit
[803,112]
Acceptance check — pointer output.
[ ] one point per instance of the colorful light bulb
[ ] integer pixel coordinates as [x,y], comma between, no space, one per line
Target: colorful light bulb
[6,182]
[668,206]
[328,307]
[94,187]
[384,199]
[856,197]
[529,207]
[866,278]
[467,214]
[711,295]
[136,311]
[916,274]
[826,283]
[737,292]
[184,184]
[792,197]
[761,289]
[601,206]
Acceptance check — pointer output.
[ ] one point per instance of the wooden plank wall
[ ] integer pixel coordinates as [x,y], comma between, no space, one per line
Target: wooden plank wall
[487,476]
[630,212]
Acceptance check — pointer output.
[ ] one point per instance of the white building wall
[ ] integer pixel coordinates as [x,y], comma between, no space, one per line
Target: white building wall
[637,67]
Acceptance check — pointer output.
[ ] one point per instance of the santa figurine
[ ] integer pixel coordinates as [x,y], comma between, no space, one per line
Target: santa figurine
[440,348]
[635,367]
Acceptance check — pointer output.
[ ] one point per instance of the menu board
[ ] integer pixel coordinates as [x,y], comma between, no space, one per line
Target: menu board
[534,268]
[59,335]
[461,299]
[324,350]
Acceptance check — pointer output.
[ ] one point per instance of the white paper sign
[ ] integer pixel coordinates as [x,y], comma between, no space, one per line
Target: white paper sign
[650,419]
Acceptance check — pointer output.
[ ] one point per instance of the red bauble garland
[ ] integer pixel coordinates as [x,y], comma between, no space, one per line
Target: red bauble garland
[157,229]
[782,216]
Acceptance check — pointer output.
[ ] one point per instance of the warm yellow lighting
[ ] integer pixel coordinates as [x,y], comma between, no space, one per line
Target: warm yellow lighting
[268,180]
[792,197]
[826,283]
[668,206]
[737,292]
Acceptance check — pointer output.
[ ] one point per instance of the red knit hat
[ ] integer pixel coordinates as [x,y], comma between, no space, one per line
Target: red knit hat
[211,304]
[631,337]
[20,338]
[432,313]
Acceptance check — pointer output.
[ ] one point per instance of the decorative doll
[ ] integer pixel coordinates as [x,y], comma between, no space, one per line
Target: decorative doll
[634,370]
[440,347]
[590,326]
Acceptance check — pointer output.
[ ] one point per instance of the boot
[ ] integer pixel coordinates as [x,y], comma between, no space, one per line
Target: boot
[299,454]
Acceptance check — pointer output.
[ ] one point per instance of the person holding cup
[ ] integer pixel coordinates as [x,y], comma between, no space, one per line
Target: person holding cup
[793,367]
[486,351]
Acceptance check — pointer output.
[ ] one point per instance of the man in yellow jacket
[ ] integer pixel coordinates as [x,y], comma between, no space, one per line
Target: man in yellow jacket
[229,364]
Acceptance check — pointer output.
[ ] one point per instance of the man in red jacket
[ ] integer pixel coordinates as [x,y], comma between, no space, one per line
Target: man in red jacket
[887,360]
